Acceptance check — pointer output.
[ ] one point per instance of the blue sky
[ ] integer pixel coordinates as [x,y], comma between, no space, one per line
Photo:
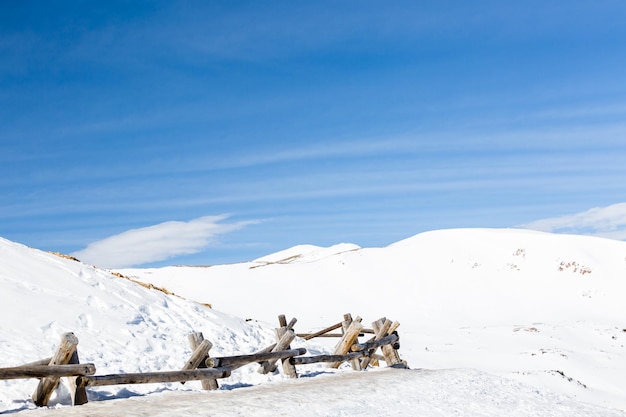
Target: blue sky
[213,132]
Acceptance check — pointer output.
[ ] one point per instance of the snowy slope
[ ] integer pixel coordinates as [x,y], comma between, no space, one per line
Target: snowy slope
[542,308]
[121,326]
[494,322]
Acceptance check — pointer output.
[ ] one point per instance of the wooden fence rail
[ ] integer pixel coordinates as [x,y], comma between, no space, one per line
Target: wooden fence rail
[302,360]
[234,362]
[387,340]
[152,377]
[42,371]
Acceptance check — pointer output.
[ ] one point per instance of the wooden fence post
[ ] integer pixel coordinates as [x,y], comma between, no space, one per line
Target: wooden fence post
[288,367]
[199,354]
[282,344]
[62,356]
[195,340]
[382,332]
[347,321]
[345,343]
[391,355]
[77,392]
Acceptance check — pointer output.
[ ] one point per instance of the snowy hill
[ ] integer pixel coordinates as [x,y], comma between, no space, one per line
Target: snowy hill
[121,326]
[542,308]
[508,322]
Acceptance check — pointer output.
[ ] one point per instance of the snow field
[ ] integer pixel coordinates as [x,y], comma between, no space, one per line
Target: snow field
[493,322]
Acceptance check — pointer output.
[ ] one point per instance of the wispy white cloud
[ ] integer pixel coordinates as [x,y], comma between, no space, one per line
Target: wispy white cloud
[156,243]
[608,222]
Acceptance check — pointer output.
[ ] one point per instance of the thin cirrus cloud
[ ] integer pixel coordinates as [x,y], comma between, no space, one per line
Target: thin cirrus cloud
[608,222]
[156,243]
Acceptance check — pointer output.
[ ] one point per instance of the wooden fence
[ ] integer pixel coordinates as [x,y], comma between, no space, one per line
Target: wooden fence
[201,366]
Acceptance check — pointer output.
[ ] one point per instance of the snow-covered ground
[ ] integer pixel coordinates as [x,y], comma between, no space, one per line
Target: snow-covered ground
[493,322]
[389,392]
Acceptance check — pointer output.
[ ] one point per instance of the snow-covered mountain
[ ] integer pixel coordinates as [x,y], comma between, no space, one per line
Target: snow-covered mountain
[532,313]
[543,308]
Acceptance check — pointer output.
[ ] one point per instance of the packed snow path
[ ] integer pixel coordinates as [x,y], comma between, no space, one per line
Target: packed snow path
[384,392]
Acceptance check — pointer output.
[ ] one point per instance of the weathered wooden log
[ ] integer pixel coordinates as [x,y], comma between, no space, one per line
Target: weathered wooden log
[288,368]
[302,360]
[234,362]
[357,347]
[388,358]
[199,354]
[309,336]
[152,377]
[305,335]
[393,348]
[380,333]
[355,363]
[322,333]
[392,358]
[347,321]
[393,327]
[195,339]
[62,356]
[282,344]
[348,339]
[42,371]
[291,323]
